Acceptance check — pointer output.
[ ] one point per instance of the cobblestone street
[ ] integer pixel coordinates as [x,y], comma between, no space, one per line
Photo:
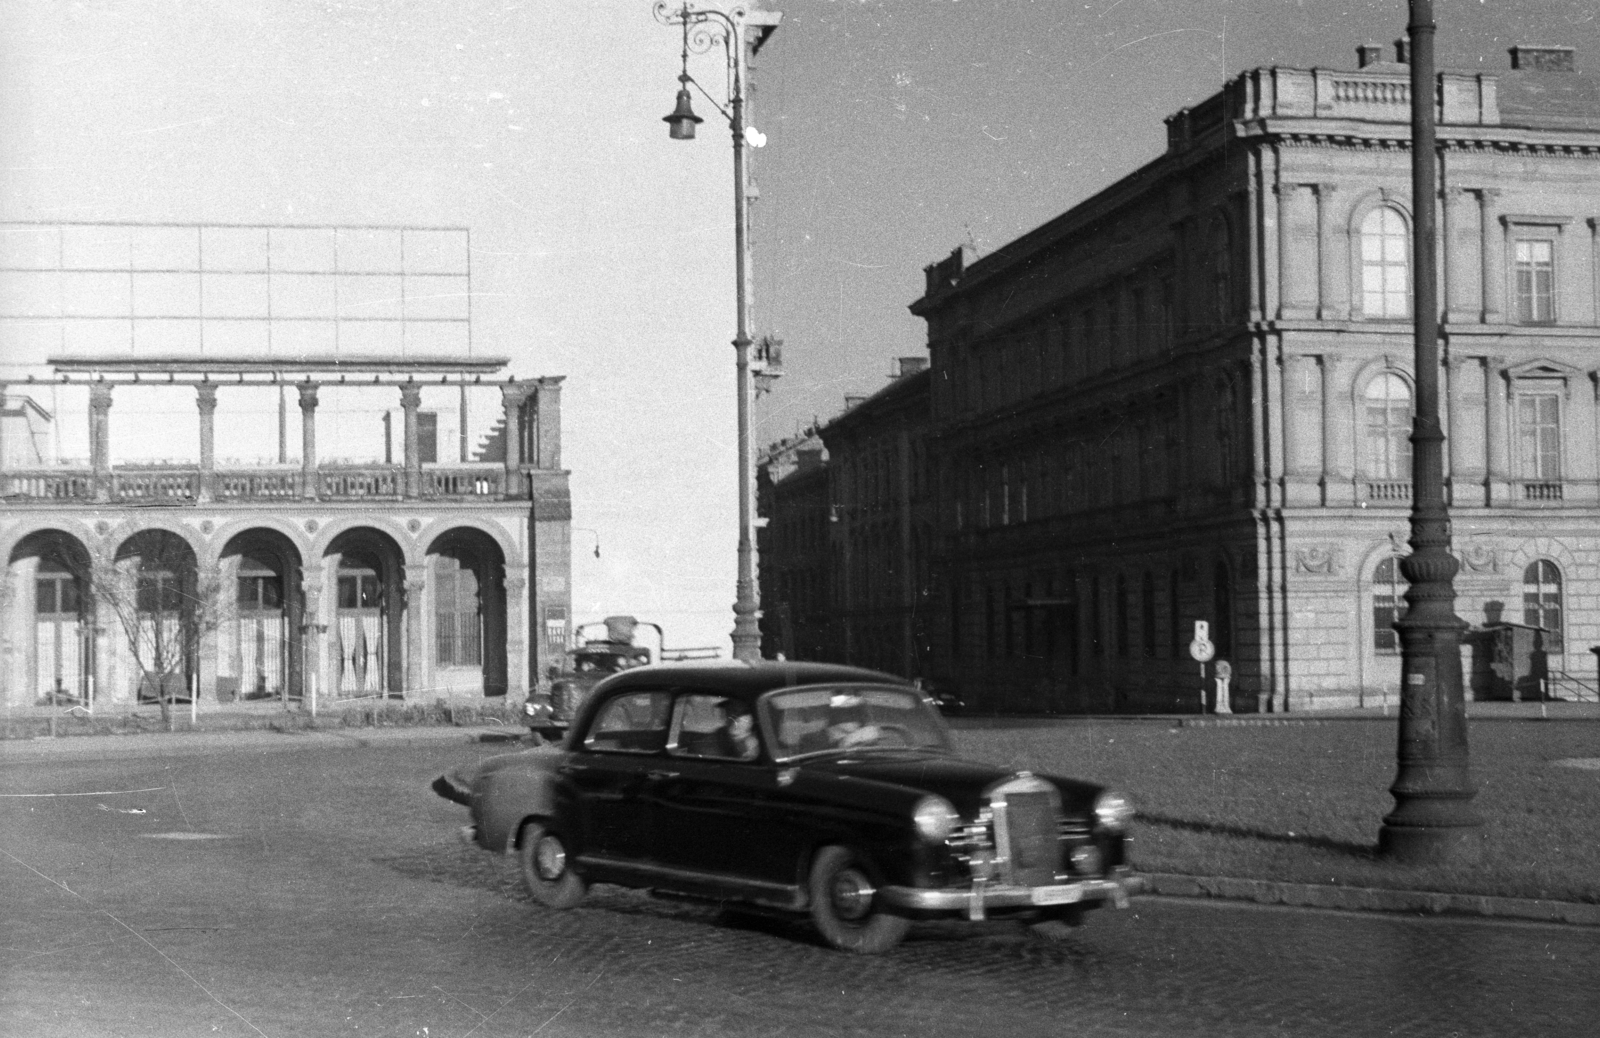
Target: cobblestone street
[324,893]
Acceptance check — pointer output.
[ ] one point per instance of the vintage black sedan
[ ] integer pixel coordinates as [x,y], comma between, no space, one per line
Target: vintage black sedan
[802,788]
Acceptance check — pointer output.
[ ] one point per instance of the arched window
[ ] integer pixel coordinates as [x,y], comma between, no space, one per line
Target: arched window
[1148,614]
[1388,427]
[1122,616]
[1221,270]
[1388,604]
[1385,264]
[1541,601]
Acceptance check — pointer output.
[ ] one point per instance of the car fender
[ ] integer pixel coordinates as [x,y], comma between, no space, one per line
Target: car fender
[509,790]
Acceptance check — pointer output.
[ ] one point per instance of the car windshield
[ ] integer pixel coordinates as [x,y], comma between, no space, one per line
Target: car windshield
[818,720]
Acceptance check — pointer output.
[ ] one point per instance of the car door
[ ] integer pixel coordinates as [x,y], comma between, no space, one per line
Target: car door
[608,772]
[715,813]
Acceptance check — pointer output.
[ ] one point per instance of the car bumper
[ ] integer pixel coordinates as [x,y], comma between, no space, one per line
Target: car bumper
[976,900]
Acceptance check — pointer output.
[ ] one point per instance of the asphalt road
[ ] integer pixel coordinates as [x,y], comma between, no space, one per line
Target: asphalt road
[324,892]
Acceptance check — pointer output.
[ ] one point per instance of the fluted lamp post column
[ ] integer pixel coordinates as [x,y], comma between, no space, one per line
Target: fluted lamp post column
[704,28]
[1433,819]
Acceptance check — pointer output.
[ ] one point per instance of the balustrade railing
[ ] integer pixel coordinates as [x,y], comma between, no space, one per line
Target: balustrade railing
[344,484]
[46,486]
[182,486]
[257,486]
[1541,491]
[164,487]
[484,481]
[1389,491]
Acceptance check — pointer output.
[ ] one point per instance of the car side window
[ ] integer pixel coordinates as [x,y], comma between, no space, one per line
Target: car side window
[631,723]
[713,726]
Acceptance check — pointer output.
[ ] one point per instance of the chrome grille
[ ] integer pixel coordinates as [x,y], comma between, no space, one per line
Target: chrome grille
[1032,846]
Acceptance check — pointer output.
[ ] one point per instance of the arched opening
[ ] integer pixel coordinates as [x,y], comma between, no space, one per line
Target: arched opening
[158,612]
[53,601]
[259,643]
[366,635]
[467,577]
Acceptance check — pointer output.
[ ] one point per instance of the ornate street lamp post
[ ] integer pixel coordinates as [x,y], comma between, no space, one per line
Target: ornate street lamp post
[703,29]
[1433,819]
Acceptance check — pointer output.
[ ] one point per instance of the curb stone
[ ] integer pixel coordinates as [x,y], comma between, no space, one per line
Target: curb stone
[154,744]
[1369,899]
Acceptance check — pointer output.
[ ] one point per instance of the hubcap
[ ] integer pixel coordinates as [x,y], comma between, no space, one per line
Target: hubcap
[852,894]
[550,858]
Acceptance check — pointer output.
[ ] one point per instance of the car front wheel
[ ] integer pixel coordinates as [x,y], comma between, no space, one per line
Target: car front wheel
[844,905]
[547,868]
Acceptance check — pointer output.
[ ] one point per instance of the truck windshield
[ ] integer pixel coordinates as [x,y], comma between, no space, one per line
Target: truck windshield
[846,717]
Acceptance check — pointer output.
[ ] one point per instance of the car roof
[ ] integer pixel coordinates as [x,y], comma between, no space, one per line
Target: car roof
[746,680]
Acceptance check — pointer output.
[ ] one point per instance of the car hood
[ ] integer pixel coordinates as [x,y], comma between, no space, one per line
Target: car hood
[962,782]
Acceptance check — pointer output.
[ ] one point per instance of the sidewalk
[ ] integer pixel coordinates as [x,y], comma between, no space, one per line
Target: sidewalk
[507,738]
[158,744]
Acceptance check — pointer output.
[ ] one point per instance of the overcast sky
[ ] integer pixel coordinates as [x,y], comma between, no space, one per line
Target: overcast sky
[601,250]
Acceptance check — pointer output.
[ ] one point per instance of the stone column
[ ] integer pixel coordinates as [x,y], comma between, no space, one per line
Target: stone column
[1287,271]
[316,661]
[13,676]
[308,441]
[1297,252]
[516,631]
[212,597]
[417,677]
[1337,485]
[206,402]
[1332,305]
[1462,305]
[1302,427]
[512,397]
[547,414]
[1494,264]
[1497,432]
[410,402]
[100,439]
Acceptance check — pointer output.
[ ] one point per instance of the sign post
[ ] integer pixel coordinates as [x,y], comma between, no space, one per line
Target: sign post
[1202,650]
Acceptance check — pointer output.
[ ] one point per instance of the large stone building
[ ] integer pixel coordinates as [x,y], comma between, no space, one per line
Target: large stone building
[1188,398]
[265,463]
[846,550]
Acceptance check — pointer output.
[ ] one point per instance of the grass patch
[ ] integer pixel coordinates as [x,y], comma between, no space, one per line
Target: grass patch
[1303,803]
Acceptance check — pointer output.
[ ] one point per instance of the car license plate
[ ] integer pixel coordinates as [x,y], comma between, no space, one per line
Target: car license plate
[1055,895]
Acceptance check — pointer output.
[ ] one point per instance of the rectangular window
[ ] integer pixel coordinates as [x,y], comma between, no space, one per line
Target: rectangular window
[1539,436]
[1536,276]
[260,592]
[427,437]
[1385,610]
[44,596]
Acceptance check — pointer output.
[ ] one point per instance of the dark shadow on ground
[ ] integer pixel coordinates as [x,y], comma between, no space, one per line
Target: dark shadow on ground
[1364,851]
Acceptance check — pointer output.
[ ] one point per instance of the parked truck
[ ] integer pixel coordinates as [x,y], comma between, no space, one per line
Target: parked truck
[604,648]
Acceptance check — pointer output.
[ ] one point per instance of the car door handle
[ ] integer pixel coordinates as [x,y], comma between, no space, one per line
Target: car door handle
[659,775]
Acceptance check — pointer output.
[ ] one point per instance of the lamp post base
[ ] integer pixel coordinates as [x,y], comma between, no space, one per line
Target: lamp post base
[1431,845]
[1433,822]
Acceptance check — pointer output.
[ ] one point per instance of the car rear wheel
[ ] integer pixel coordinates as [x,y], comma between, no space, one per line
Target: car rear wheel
[547,868]
[844,905]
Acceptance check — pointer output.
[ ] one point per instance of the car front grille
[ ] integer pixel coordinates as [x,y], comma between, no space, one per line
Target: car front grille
[1026,822]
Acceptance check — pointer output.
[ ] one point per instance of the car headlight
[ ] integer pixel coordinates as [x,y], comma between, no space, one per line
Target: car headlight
[1113,810]
[936,819]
